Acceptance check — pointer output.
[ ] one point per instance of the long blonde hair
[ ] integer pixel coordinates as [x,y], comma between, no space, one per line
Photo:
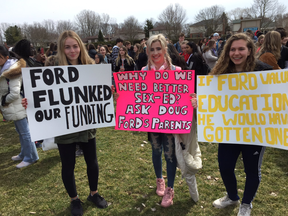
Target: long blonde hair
[209,46]
[161,39]
[258,42]
[127,57]
[61,57]
[225,65]
[272,44]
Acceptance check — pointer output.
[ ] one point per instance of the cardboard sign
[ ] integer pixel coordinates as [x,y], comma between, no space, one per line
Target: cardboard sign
[244,108]
[154,101]
[68,99]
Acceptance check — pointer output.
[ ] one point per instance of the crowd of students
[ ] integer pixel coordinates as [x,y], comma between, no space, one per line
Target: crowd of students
[239,54]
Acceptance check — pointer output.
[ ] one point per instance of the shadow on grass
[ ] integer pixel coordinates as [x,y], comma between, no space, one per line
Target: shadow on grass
[226,211]
[66,211]
[13,177]
[137,207]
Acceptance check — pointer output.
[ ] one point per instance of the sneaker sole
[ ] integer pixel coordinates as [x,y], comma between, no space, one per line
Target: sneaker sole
[17,159]
[101,207]
[220,207]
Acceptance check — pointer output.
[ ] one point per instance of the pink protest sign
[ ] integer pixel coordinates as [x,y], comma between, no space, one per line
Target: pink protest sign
[154,101]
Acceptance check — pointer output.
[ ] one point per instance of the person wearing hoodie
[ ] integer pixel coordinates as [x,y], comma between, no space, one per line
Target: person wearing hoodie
[11,108]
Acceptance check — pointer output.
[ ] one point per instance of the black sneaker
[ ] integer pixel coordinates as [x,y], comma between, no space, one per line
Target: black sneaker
[76,208]
[99,201]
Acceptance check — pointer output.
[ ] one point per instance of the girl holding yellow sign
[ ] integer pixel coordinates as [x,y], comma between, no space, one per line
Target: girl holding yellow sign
[239,56]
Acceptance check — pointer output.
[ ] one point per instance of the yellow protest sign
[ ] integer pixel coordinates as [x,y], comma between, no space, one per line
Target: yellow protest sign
[244,108]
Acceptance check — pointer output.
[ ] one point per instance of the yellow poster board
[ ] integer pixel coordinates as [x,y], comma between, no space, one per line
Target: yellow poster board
[244,108]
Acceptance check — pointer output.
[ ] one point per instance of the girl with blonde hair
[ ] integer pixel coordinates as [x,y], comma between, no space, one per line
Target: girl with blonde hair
[124,62]
[159,59]
[260,42]
[271,49]
[71,51]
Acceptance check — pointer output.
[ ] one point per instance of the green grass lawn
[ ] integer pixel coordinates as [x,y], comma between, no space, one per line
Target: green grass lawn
[127,180]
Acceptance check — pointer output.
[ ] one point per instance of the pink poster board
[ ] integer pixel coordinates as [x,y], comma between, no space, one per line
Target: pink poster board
[154,101]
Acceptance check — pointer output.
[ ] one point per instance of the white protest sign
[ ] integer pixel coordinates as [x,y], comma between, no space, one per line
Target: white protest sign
[68,99]
[244,108]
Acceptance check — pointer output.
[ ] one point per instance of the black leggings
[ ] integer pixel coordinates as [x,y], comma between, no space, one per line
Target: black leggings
[67,155]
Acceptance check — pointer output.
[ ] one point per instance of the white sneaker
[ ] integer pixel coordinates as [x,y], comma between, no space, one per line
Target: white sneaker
[16,158]
[23,164]
[224,202]
[244,210]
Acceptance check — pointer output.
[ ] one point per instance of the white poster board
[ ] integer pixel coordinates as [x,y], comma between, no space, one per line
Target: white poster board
[68,99]
[244,108]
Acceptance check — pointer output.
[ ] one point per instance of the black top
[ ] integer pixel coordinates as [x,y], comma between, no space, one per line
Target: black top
[284,57]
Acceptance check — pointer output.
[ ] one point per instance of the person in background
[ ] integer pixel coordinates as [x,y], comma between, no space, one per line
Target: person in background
[271,49]
[259,42]
[250,33]
[143,41]
[110,48]
[51,50]
[99,59]
[239,56]
[107,57]
[195,61]
[176,58]
[128,46]
[199,45]
[283,61]
[115,51]
[91,51]
[11,95]
[209,55]
[40,57]
[71,51]
[178,44]
[204,41]
[223,44]
[140,57]
[124,62]
[25,50]
[183,48]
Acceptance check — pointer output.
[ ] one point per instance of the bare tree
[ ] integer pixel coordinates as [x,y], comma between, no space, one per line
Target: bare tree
[3,28]
[105,21]
[267,10]
[131,27]
[88,23]
[237,13]
[113,28]
[211,18]
[282,21]
[186,29]
[37,34]
[64,25]
[49,25]
[173,18]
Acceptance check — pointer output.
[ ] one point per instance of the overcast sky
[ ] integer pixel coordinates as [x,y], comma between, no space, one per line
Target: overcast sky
[29,11]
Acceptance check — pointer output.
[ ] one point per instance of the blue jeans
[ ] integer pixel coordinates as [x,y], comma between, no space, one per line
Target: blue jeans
[161,141]
[28,149]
